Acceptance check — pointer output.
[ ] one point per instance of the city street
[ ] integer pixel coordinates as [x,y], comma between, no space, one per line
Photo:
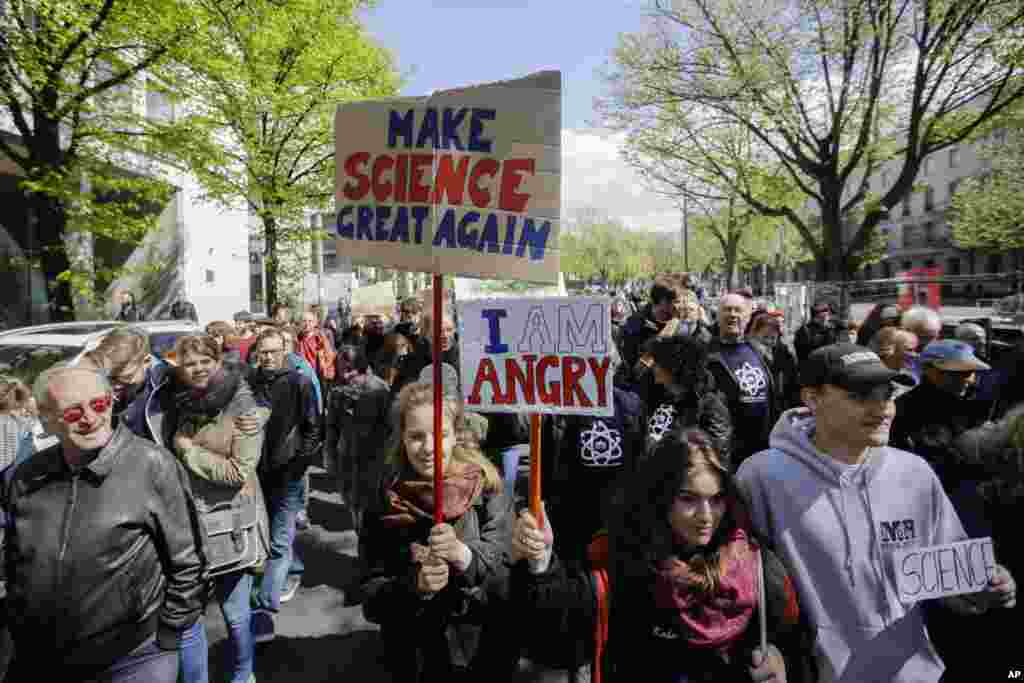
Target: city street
[319,637]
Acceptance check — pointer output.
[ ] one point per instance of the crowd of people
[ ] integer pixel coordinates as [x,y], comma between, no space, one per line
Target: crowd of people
[728,522]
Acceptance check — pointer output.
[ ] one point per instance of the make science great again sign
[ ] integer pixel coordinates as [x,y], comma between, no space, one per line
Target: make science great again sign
[465,181]
[537,355]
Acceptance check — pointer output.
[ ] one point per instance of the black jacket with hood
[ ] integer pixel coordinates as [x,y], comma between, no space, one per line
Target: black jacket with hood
[293,434]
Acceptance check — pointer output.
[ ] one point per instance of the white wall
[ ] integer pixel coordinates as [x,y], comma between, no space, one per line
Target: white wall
[216,240]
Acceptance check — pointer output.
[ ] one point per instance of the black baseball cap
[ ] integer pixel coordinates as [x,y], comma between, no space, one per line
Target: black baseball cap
[852,367]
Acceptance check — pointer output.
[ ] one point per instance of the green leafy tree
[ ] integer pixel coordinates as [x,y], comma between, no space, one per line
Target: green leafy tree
[262,84]
[703,178]
[828,93]
[68,73]
[988,211]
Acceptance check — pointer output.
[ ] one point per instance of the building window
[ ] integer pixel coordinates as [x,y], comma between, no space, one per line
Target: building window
[953,266]
[954,157]
[886,270]
[929,198]
[953,187]
[868,274]
[906,205]
[209,276]
[884,187]
[329,248]
[995,263]
[929,232]
[926,165]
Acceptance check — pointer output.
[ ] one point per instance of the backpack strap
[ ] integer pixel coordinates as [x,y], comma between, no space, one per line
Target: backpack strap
[601,625]
[597,552]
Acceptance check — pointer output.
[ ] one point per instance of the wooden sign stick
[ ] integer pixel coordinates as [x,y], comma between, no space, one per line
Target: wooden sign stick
[535,507]
[438,404]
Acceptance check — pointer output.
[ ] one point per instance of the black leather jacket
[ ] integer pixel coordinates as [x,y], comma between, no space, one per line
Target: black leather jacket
[99,560]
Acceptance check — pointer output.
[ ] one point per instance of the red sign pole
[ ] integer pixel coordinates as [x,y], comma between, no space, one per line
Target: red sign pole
[438,403]
[535,508]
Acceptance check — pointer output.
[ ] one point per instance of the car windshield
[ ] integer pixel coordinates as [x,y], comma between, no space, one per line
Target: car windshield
[26,361]
[77,330]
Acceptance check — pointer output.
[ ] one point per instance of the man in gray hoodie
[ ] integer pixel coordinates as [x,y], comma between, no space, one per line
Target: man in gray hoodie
[835,503]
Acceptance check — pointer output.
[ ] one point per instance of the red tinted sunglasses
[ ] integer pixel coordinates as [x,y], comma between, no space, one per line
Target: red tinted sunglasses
[98,405]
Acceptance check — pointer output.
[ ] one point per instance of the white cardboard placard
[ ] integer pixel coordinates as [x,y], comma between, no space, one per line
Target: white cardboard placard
[940,571]
[537,355]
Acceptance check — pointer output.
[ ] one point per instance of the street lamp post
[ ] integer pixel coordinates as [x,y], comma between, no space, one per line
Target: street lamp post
[685,228]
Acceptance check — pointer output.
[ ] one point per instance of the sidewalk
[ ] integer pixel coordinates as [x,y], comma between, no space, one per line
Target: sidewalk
[319,637]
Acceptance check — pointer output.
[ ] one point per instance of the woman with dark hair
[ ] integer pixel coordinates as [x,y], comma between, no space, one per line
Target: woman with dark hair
[680,392]
[675,592]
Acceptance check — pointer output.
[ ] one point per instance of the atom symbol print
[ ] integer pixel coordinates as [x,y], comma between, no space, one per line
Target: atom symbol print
[601,446]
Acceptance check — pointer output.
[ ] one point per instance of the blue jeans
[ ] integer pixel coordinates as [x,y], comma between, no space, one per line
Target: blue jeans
[145,664]
[233,593]
[194,655]
[284,499]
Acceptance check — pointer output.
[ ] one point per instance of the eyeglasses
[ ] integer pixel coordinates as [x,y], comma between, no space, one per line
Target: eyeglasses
[98,405]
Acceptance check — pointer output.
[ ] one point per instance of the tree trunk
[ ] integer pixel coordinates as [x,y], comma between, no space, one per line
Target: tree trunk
[46,239]
[46,243]
[729,252]
[270,261]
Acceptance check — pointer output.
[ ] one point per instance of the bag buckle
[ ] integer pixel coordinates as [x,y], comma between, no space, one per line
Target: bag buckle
[236,532]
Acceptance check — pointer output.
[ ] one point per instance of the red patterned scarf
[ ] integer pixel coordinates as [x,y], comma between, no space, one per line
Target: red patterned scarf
[712,620]
[410,500]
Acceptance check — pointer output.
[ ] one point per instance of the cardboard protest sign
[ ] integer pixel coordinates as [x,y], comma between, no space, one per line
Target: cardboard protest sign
[378,299]
[467,288]
[943,570]
[543,355]
[465,181]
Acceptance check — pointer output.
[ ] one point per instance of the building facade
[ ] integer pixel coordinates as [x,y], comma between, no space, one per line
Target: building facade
[919,234]
[197,251]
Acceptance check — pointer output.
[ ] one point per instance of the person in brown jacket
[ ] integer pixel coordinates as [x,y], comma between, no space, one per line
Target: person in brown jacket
[221,461]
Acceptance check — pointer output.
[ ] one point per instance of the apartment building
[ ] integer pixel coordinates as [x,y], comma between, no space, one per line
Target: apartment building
[198,251]
[918,230]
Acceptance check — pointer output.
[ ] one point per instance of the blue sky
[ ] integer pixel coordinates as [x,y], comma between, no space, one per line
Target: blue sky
[442,44]
[450,43]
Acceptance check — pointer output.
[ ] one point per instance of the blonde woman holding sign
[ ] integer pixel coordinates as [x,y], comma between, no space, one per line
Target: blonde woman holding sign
[435,588]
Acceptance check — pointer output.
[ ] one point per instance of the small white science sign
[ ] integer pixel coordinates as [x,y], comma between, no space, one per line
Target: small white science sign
[940,571]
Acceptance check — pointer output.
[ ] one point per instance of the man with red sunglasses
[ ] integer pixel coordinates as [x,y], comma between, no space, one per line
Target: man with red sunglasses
[101,555]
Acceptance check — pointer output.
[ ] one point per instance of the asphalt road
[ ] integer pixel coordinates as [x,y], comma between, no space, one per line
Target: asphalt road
[319,636]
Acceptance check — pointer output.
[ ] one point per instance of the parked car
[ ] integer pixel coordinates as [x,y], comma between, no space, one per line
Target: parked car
[27,351]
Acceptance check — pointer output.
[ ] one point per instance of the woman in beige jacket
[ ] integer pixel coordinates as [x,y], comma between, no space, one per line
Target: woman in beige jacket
[221,461]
